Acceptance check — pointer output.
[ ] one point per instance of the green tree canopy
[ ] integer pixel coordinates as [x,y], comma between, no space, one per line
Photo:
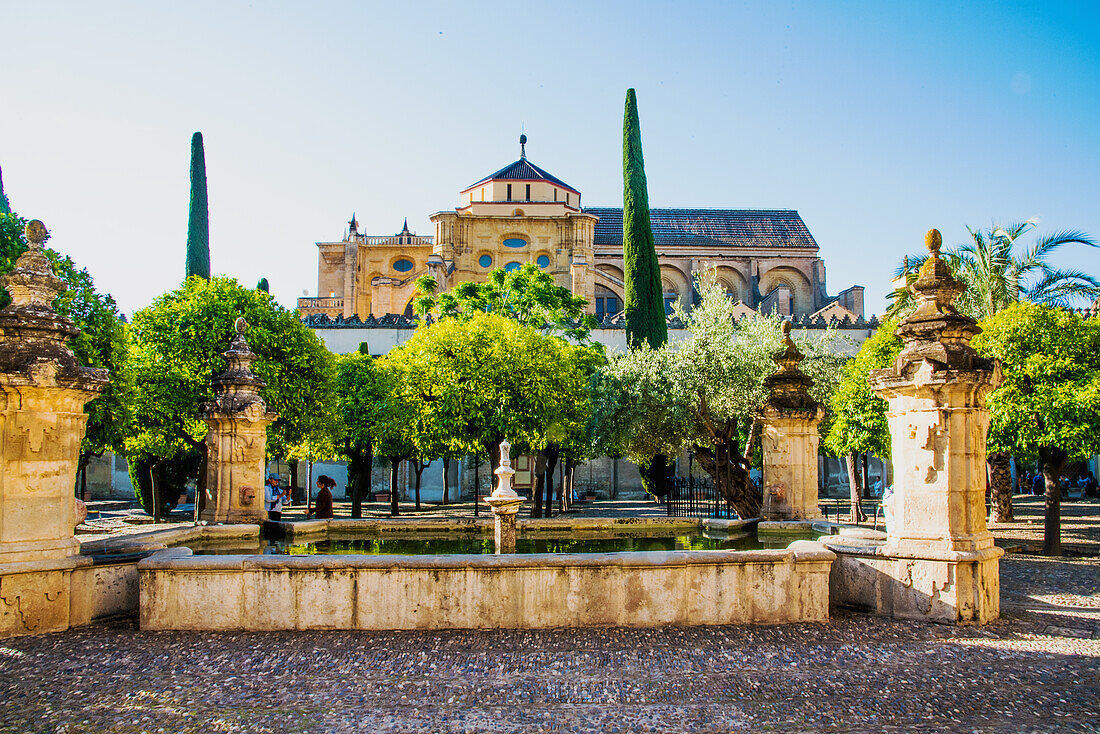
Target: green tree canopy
[858,415]
[1048,406]
[704,392]
[527,294]
[477,381]
[176,349]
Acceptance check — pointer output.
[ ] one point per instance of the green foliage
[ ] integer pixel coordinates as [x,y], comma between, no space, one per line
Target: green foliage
[996,276]
[5,205]
[176,349]
[703,390]
[472,382]
[1050,397]
[363,387]
[262,285]
[527,294]
[643,301]
[858,415]
[198,218]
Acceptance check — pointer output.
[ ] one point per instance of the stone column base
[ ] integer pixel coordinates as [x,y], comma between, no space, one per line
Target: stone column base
[36,597]
[956,587]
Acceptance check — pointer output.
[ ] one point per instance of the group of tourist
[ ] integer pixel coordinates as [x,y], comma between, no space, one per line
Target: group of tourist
[1036,484]
[275,497]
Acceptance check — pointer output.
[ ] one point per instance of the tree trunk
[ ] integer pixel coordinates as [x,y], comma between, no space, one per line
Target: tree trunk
[359,474]
[1000,483]
[654,473]
[446,477]
[551,462]
[730,472]
[1052,462]
[492,448]
[418,468]
[395,463]
[539,477]
[295,490]
[155,486]
[855,488]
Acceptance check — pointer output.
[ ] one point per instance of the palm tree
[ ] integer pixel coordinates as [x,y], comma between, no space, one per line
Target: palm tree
[995,278]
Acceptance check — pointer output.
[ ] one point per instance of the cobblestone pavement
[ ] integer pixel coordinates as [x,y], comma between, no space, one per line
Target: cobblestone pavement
[1036,669]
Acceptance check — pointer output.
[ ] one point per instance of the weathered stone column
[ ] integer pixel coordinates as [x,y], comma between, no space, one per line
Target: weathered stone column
[43,389]
[790,439]
[505,504]
[936,392]
[237,439]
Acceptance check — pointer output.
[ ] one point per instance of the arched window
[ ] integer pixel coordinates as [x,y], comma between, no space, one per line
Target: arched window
[403,265]
[543,261]
[512,266]
[485,261]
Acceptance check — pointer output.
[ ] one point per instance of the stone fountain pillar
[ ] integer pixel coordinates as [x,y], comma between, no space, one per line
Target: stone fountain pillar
[790,439]
[939,561]
[43,389]
[505,503]
[236,442]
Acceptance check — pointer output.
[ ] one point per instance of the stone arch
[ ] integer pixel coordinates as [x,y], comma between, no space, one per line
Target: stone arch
[733,282]
[675,286]
[795,280]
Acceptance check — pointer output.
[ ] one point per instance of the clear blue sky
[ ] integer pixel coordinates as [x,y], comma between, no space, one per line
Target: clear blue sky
[874,120]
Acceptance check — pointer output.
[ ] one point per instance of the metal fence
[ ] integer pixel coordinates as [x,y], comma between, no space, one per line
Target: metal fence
[694,497]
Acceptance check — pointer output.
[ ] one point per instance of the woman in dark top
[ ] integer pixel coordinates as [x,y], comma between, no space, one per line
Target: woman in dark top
[322,505]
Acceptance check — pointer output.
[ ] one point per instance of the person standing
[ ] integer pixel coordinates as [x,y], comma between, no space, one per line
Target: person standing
[322,504]
[274,497]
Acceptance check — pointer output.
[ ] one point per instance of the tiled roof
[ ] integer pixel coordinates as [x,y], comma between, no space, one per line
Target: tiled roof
[522,170]
[710,227]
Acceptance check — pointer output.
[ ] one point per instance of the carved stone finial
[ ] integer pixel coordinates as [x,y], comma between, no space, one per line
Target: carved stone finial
[36,233]
[240,325]
[933,240]
[788,385]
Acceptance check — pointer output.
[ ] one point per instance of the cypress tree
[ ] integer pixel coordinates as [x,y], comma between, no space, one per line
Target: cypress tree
[198,220]
[5,207]
[263,286]
[643,306]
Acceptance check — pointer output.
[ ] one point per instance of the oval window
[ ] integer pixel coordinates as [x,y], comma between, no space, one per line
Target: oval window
[515,242]
[403,265]
[512,266]
[543,261]
[485,261]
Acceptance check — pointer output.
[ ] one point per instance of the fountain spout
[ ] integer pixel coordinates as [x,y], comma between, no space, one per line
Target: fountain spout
[505,503]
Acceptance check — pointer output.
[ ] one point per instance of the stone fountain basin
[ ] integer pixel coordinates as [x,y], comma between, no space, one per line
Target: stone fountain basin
[183,591]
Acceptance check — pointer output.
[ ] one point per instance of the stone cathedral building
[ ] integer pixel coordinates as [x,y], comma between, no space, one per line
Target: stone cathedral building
[765,258]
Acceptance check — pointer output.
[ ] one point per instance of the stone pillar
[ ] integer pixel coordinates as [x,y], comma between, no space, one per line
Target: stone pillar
[790,439]
[936,392]
[43,389]
[237,439]
[505,504]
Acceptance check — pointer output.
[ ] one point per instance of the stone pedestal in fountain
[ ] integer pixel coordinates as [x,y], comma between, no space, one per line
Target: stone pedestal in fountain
[505,504]
[939,561]
[790,439]
[43,390]
[237,439]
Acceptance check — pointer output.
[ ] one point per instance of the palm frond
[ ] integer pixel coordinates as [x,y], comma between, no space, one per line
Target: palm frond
[1037,253]
[1059,287]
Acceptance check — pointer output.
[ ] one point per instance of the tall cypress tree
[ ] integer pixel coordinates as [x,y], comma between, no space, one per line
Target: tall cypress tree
[644,307]
[198,221]
[5,207]
[262,285]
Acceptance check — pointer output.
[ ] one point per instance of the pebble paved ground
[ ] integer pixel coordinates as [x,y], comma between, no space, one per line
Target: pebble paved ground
[1035,670]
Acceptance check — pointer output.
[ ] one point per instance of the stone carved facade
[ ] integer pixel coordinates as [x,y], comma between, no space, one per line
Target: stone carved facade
[765,258]
[939,560]
[790,439]
[43,390]
[237,440]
